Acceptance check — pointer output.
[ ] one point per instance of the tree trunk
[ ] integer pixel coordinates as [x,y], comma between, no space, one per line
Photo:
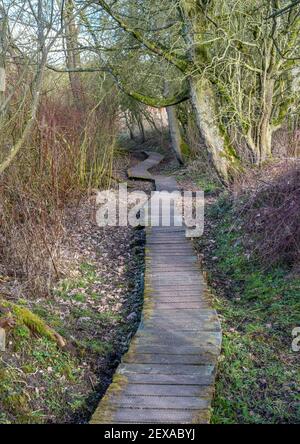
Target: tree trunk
[128,124]
[73,55]
[174,129]
[3,48]
[259,137]
[36,93]
[264,136]
[253,148]
[203,97]
[221,153]
[141,129]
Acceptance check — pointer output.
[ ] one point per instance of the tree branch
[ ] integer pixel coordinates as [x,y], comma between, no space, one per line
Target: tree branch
[62,70]
[285,9]
[181,63]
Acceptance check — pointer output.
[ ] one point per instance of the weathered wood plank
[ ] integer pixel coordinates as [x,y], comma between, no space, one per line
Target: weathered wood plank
[144,378]
[180,340]
[167,390]
[155,416]
[182,305]
[157,358]
[178,350]
[207,314]
[160,402]
[183,325]
[164,369]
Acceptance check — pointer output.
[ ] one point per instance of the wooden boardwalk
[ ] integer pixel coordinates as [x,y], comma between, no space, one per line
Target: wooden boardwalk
[168,374]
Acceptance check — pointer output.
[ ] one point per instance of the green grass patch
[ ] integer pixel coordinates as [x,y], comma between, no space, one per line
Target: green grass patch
[40,381]
[206,185]
[86,277]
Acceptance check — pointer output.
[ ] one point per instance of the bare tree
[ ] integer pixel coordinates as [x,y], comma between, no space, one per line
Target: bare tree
[35,29]
[3,50]
[73,52]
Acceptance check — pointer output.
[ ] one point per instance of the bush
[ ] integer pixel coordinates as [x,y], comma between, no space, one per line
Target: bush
[271,217]
[68,152]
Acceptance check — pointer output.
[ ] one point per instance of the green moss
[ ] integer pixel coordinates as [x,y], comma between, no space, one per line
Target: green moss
[106,410]
[119,382]
[28,368]
[17,404]
[33,322]
[202,417]
[26,318]
[230,151]
[185,149]
[202,54]
[283,110]
[159,102]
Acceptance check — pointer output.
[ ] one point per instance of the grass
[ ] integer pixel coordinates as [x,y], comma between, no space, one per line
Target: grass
[206,185]
[40,382]
[258,372]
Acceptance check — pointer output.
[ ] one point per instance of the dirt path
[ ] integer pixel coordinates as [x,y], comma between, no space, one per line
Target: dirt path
[168,374]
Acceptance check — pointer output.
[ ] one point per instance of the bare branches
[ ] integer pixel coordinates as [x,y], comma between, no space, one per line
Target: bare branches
[153,46]
[284,10]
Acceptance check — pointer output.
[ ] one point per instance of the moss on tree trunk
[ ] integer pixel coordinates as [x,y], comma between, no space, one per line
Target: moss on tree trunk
[174,129]
[221,153]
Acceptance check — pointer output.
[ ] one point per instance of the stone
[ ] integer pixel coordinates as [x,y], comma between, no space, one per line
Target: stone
[2,340]
[132,316]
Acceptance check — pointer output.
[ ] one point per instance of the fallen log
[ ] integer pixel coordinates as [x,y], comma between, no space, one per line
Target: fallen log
[15,314]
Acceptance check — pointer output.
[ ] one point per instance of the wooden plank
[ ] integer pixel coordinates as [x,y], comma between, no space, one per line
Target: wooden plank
[175,284]
[182,305]
[180,287]
[143,378]
[177,350]
[179,316]
[174,299]
[180,340]
[165,260]
[155,416]
[169,241]
[167,390]
[165,268]
[168,296]
[164,369]
[173,312]
[159,402]
[206,325]
[180,290]
[156,358]
[182,318]
[188,277]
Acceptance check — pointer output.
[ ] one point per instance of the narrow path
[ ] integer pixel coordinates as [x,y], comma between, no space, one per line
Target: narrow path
[168,374]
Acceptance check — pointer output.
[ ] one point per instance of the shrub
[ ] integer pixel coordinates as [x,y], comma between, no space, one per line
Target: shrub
[271,217]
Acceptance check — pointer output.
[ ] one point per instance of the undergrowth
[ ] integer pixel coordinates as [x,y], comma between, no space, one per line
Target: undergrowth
[258,374]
